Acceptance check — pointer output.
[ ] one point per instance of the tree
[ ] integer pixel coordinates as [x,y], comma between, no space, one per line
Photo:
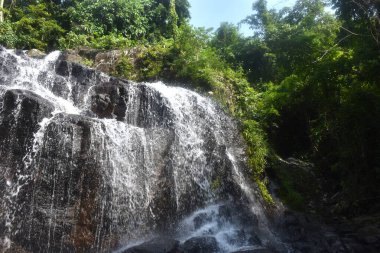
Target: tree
[104,17]
[173,18]
[360,15]
[167,15]
[226,40]
[322,89]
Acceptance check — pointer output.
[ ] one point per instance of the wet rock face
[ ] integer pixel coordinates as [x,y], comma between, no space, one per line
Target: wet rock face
[88,160]
[20,115]
[110,100]
[8,66]
[75,80]
[69,191]
[60,206]
[19,121]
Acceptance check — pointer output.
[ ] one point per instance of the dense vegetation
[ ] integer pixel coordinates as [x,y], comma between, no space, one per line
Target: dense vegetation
[305,85]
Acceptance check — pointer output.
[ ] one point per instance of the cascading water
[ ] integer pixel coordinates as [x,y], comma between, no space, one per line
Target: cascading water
[92,163]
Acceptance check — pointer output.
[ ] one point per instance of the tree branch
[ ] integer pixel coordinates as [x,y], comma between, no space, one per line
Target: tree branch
[331,48]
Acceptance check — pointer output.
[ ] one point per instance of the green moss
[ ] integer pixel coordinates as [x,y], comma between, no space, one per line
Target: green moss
[264,192]
[88,62]
[216,184]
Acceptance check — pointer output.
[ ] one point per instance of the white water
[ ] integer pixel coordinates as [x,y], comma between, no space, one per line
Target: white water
[132,155]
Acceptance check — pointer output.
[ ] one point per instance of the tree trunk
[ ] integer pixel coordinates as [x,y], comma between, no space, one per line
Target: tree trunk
[1,11]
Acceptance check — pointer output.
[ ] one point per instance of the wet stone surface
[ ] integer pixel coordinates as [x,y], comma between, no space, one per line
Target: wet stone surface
[89,160]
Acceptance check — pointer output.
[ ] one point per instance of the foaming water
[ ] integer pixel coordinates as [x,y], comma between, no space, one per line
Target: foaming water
[211,221]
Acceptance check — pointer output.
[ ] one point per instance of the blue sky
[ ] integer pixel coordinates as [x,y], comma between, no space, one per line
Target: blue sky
[210,13]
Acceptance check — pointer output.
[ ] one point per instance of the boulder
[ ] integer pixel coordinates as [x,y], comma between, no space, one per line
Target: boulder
[201,244]
[261,250]
[71,56]
[156,245]
[35,53]
[110,100]
[106,61]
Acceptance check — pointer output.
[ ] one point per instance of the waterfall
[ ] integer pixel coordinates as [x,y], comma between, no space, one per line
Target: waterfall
[93,163]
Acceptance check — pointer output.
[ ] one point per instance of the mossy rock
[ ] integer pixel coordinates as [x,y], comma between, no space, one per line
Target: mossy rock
[298,186]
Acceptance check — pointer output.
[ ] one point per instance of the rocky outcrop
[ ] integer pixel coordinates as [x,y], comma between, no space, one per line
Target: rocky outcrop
[101,60]
[69,188]
[35,53]
[21,113]
[90,160]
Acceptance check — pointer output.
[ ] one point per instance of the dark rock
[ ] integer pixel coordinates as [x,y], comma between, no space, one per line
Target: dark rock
[62,68]
[290,219]
[19,120]
[157,245]
[304,247]
[15,249]
[152,109]
[263,250]
[66,191]
[82,183]
[254,240]
[102,105]
[225,212]
[20,52]
[201,244]
[8,68]
[137,105]
[81,79]
[371,240]
[59,87]
[110,100]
